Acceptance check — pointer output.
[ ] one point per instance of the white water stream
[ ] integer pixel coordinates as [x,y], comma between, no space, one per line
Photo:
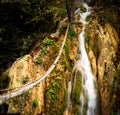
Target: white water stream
[88,89]
[88,94]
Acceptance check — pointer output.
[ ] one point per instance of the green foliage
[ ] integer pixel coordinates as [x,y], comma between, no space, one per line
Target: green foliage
[102,18]
[39,60]
[76,91]
[76,109]
[62,11]
[72,33]
[87,38]
[48,41]
[66,48]
[53,90]
[44,49]
[88,18]
[76,87]
[55,48]
[20,20]
[35,103]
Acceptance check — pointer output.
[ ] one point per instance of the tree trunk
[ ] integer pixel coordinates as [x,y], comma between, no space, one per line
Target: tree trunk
[70,6]
[72,14]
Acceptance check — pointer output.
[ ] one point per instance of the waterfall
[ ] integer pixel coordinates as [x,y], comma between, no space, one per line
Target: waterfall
[88,90]
[88,96]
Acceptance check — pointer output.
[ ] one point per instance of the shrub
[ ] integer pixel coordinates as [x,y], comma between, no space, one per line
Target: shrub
[39,60]
[44,49]
[48,41]
[35,103]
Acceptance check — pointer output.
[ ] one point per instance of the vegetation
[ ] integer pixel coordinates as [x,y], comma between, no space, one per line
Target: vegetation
[35,103]
[44,49]
[87,38]
[21,24]
[48,41]
[76,91]
[62,11]
[39,60]
[53,90]
[88,18]
[102,18]
[76,88]
[72,33]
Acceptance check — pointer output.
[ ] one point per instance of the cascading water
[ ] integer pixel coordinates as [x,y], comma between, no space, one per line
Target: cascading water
[88,96]
[88,89]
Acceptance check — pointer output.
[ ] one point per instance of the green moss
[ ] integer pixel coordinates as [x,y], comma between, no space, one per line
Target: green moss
[56,100]
[39,60]
[51,92]
[55,49]
[72,34]
[35,103]
[87,38]
[62,11]
[66,48]
[102,18]
[88,18]
[76,87]
[76,109]
[44,49]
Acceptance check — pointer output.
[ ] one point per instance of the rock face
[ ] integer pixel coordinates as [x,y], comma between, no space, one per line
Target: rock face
[106,68]
[20,73]
[102,45]
[50,96]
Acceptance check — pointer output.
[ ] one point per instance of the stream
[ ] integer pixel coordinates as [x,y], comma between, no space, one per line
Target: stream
[88,96]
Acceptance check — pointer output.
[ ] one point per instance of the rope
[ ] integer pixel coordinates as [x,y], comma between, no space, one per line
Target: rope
[29,86]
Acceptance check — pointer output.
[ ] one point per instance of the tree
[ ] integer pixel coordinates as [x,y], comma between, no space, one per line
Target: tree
[70,6]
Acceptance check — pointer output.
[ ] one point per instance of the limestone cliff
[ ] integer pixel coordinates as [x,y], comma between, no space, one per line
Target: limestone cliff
[102,43]
[51,93]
